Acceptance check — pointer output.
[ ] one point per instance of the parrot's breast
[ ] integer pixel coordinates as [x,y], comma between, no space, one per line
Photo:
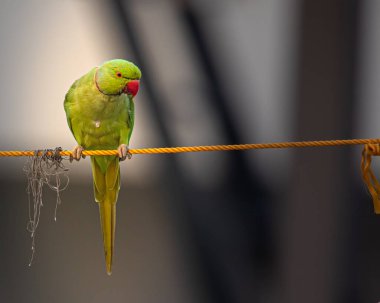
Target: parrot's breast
[101,133]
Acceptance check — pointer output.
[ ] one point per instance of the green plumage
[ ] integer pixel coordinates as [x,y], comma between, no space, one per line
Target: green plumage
[100,114]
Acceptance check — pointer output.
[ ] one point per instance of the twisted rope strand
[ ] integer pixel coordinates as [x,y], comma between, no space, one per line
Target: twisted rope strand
[186,149]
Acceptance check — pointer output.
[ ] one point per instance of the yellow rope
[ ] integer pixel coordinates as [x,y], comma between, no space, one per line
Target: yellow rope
[371,148]
[186,149]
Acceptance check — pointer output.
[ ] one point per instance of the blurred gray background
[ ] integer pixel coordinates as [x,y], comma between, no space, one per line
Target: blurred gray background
[252,226]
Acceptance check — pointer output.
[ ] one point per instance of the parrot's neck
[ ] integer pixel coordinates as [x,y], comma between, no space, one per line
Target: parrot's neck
[98,87]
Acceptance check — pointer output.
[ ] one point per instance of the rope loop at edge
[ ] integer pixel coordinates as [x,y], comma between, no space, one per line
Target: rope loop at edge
[369,178]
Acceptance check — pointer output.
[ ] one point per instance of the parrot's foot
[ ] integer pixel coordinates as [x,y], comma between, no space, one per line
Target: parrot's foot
[123,151]
[76,154]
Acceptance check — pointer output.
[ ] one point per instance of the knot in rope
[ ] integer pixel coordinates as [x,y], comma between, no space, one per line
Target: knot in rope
[372,149]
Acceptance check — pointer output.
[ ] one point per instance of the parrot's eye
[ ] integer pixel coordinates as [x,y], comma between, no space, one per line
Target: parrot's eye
[118,74]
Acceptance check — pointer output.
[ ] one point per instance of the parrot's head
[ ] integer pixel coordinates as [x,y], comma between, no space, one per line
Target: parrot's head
[116,77]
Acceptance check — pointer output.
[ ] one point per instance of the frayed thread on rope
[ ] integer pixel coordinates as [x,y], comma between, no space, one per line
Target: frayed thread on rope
[45,167]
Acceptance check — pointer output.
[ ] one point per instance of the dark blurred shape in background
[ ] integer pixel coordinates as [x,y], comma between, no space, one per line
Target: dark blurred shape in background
[253,226]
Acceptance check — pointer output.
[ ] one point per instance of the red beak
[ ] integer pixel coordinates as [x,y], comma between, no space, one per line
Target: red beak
[132,87]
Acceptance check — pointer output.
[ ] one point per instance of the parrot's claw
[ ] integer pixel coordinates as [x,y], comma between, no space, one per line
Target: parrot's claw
[76,154]
[123,151]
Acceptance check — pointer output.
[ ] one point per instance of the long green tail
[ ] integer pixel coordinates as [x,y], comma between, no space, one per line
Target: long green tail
[106,175]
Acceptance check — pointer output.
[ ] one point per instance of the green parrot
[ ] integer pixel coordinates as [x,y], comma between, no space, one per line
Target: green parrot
[100,112]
